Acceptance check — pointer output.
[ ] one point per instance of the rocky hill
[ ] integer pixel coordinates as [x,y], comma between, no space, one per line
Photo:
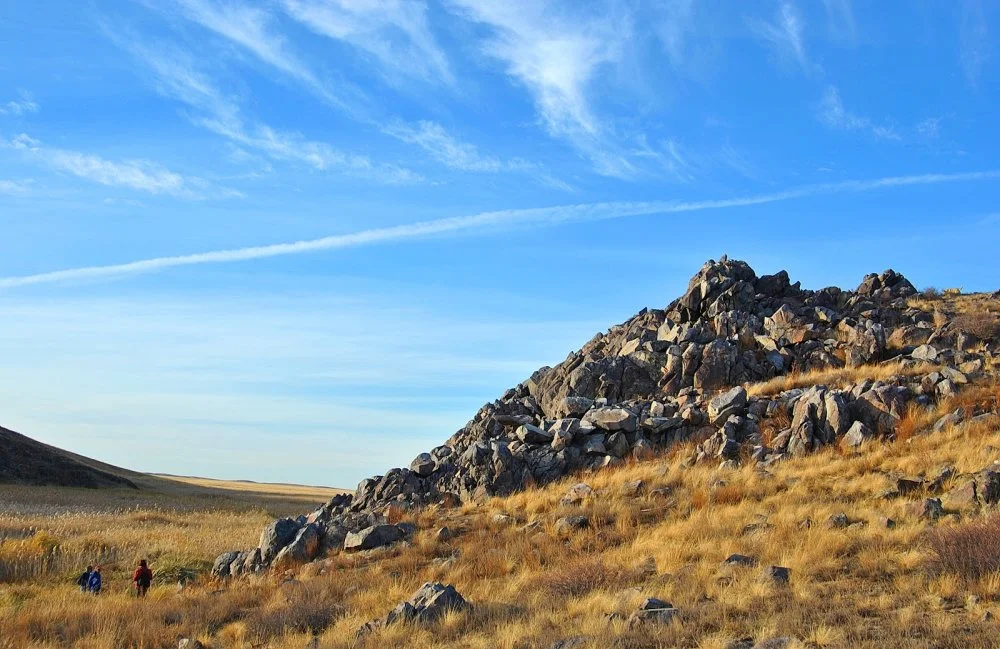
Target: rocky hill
[715,373]
[29,462]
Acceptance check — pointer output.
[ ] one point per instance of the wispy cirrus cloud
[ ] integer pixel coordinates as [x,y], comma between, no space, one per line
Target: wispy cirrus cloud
[175,75]
[360,23]
[486,221]
[929,128]
[250,26]
[451,152]
[395,34]
[23,105]
[840,20]
[673,27]
[785,36]
[137,174]
[832,113]
[974,40]
[556,53]
[14,188]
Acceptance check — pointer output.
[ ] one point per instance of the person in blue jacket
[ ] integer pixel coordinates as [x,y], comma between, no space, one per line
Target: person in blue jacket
[83,581]
[94,585]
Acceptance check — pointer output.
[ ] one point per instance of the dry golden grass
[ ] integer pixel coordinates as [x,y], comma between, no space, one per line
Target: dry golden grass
[864,586]
[832,378]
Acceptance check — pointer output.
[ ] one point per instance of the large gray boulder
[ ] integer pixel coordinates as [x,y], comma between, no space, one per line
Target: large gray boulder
[221,567]
[612,419]
[429,604]
[730,402]
[302,549]
[376,536]
[276,536]
[531,434]
[423,464]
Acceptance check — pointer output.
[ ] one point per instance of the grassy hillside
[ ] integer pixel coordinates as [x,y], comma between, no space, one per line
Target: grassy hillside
[918,583]
[27,461]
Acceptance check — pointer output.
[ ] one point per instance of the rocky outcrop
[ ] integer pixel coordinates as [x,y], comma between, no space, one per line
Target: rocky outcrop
[664,376]
[426,606]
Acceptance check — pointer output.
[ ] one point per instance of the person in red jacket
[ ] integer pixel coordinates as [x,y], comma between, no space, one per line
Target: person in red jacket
[142,578]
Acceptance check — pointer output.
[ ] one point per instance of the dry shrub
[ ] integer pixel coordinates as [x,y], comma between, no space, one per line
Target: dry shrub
[909,425]
[930,293]
[582,576]
[984,326]
[730,494]
[970,550]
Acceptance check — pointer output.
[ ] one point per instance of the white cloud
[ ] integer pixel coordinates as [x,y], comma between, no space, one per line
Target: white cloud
[673,26]
[15,107]
[432,138]
[833,114]
[841,21]
[250,27]
[14,188]
[141,175]
[484,221]
[785,36]
[974,40]
[930,128]
[556,56]
[176,76]
[395,33]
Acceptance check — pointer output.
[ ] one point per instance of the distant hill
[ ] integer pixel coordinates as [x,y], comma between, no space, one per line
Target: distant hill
[25,461]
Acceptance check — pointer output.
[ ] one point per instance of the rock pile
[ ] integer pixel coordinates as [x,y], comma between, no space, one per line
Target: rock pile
[664,376]
[427,605]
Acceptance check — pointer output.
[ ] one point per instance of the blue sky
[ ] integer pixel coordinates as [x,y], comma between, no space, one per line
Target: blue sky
[303,240]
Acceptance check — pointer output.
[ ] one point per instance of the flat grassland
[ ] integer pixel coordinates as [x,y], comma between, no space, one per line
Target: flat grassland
[915,584]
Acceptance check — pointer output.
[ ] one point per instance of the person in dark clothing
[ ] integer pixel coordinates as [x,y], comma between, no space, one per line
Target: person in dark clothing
[94,583]
[142,578]
[83,581]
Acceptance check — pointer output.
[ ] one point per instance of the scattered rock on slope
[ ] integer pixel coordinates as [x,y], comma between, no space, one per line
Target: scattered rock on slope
[427,605]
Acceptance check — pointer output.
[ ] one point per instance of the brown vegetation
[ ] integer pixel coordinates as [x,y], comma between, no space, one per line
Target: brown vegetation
[864,586]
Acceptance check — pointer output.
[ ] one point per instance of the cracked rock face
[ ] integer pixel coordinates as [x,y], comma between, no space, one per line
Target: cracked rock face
[664,376]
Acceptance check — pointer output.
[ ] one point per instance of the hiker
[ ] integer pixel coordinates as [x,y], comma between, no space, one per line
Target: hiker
[94,583]
[83,581]
[142,578]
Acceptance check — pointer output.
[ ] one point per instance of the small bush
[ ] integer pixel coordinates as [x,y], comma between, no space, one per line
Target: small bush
[984,326]
[583,576]
[970,550]
[930,293]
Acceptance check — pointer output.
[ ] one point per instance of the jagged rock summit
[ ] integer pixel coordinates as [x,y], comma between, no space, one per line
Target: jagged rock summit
[664,376]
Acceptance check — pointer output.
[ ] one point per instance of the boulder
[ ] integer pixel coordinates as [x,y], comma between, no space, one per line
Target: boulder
[577,494]
[276,536]
[740,560]
[303,548]
[423,464]
[221,567]
[653,611]
[426,606]
[568,524]
[731,402]
[376,536]
[531,434]
[777,574]
[929,509]
[855,435]
[925,352]
[612,419]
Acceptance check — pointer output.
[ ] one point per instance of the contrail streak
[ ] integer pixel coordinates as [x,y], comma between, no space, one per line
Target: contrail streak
[482,221]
